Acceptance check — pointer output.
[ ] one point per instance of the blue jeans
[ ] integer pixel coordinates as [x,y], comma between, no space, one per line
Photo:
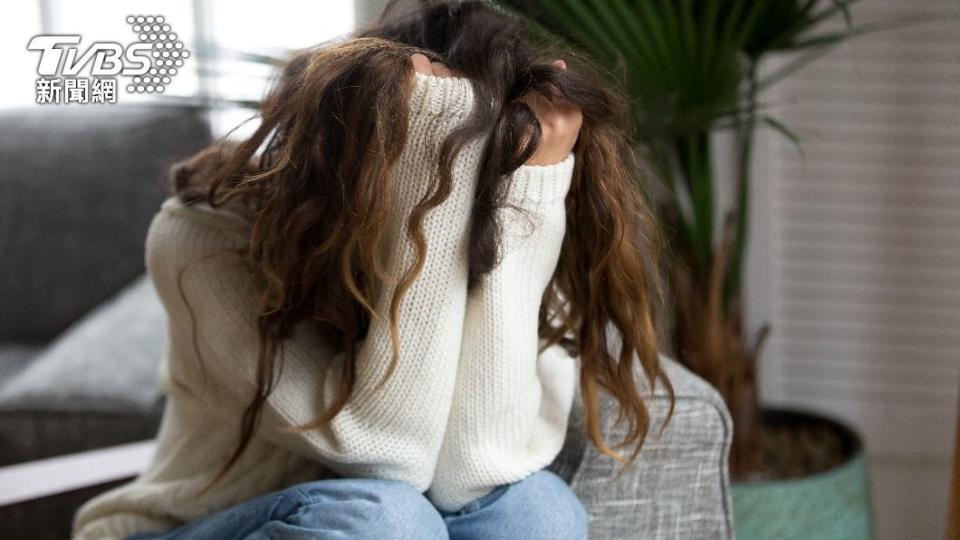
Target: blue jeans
[541,505]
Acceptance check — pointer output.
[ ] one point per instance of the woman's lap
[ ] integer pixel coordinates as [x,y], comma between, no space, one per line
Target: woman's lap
[334,508]
[539,506]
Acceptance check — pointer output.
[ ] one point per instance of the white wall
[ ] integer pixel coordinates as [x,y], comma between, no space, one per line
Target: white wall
[862,254]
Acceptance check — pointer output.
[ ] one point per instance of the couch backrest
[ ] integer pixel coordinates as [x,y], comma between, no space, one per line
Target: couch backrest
[78,188]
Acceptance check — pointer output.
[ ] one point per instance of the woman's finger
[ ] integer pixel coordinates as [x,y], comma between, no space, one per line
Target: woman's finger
[421,63]
[441,70]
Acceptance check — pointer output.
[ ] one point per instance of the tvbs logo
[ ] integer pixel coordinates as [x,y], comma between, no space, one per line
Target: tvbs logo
[149,64]
[58,56]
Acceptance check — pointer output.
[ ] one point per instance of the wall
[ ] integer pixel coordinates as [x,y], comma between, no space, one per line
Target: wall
[858,257]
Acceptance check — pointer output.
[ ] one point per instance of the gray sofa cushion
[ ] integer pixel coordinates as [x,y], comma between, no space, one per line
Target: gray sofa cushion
[78,187]
[96,385]
[14,358]
[679,485]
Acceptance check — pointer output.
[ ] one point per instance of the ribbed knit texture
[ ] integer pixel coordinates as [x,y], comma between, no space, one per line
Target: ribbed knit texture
[401,431]
[510,408]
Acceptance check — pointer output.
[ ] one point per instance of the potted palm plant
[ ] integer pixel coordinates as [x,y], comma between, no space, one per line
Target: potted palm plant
[693,69]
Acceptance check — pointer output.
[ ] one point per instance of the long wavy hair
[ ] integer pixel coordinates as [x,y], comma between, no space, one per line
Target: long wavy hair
[315,178]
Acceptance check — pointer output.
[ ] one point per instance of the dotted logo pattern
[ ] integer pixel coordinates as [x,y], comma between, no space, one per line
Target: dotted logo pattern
[167,55]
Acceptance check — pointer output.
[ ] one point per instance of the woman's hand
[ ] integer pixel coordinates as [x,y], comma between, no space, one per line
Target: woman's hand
[560,123]
[423,64]
[560,120]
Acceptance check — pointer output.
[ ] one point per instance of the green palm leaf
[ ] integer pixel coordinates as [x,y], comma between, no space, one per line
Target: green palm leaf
[690,66]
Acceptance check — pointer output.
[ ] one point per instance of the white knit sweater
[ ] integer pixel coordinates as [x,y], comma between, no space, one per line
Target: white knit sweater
[471,405]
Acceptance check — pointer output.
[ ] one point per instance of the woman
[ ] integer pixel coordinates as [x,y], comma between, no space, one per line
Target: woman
[379,293]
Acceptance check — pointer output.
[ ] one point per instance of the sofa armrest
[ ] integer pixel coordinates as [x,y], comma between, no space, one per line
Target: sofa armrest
[52,476]
[38,499]
[679,482]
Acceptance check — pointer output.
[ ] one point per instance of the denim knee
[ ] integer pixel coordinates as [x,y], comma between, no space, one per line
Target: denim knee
[391,508]
[541,505]
[557,505]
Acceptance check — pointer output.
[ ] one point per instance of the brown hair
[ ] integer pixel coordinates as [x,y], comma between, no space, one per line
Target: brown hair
[332,128]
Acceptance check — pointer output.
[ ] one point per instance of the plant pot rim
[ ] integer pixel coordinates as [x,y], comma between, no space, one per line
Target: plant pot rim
[852,441]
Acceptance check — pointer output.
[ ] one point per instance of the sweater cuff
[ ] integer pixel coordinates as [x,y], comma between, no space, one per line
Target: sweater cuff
[441,96]
[533,185]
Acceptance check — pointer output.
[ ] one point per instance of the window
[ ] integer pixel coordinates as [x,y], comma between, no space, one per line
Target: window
[225,37]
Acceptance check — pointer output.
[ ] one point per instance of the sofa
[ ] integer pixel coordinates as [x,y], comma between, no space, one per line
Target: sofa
[82,333]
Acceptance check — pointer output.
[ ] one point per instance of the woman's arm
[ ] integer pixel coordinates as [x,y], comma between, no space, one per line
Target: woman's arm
[511,403]
[510,408]
[397,431]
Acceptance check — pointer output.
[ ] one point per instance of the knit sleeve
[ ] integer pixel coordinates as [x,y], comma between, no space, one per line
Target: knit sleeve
[394,432]
[509,412]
